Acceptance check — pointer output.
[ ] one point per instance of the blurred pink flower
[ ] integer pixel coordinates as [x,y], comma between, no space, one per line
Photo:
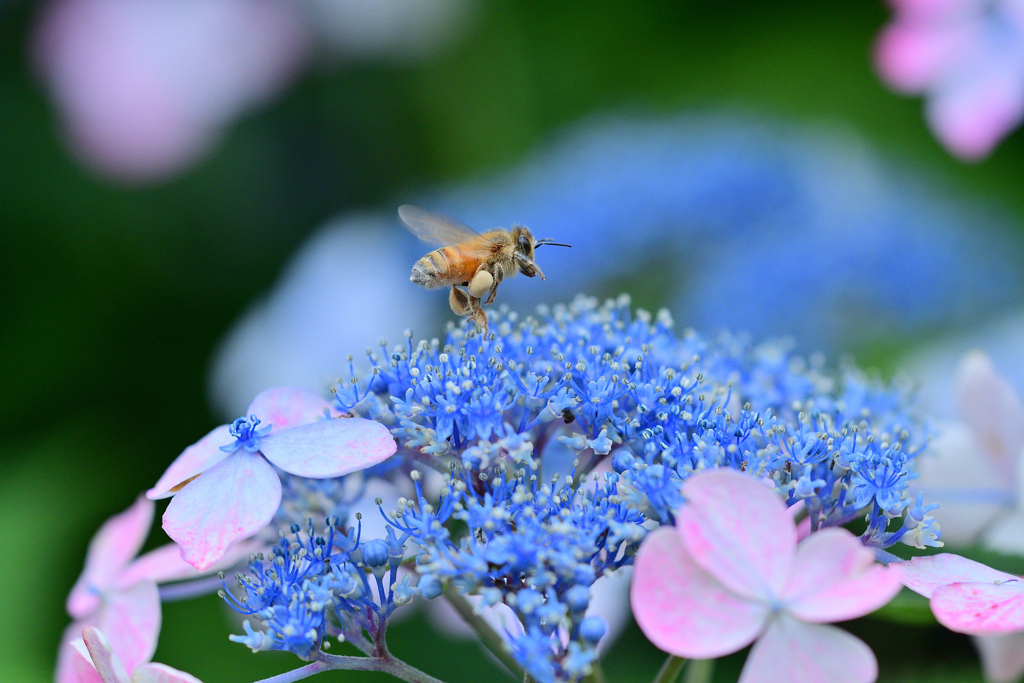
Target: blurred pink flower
[224,485]
[731,573]
[117,592]
[970,597]
[973,469]
[145,87]
[96,661]
[967,57]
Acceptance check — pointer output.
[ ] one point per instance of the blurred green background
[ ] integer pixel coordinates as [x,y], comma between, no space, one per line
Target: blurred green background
[113,298]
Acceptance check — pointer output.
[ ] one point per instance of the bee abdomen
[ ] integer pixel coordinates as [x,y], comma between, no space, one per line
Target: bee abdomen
[429,271]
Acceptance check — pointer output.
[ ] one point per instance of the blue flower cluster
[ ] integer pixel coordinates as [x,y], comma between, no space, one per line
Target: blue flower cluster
[310,588]
[641,408]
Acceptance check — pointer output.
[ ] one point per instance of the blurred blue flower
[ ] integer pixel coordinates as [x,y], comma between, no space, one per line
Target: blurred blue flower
[731,222]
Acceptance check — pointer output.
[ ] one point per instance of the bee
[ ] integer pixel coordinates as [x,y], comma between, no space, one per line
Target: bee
[478,262]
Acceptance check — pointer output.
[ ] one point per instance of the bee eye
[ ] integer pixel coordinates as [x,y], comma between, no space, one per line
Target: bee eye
[524,244]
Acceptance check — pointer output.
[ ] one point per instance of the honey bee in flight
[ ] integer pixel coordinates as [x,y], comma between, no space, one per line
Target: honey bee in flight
[478,262]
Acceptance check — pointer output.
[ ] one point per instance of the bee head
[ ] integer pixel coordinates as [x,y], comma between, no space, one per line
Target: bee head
[524,240]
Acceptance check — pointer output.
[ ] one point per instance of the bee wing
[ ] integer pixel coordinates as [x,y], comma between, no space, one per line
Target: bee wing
[438,229]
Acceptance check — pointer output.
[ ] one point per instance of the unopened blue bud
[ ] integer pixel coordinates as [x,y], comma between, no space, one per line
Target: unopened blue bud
[622,461]
[577,598]
[584,574]
[429,586]
[592,629]
[375,553]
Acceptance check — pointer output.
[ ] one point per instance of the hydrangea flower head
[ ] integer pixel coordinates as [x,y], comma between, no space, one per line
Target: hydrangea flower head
[967,56]
[225,486]
[731,572]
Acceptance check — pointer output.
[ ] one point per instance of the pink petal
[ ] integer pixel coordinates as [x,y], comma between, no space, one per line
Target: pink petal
[83,670]
[682,609]
[197,458]
[738,531]
[159,565]
[835,578]
[958,474]
[161,673]
[925,575]
[329,448]
[911,57]
[971,114]
[164,564]
[288,407]
[114,545]
[791,650]
[231,501]
[130,619]
[70,667]
[992,409]
[103,657]
[980,608]
[1002,657]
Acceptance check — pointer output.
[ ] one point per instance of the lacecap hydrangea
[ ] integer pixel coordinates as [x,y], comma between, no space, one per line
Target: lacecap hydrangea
[641,406]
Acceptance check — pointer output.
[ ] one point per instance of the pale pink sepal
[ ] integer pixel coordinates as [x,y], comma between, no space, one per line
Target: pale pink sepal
[972,116]
[992,408]
[164,564]
[107,664]
[287,407]
[69,667]
[980,608]
[835,578]
[925,575]
[82,668]
[197,458]
[161,673]
[113,547]
[233,500]
[682,609]
[739,531]
[130,620]
[791,650]
[958,463]
[1002,657]
[912,57]
[329,448]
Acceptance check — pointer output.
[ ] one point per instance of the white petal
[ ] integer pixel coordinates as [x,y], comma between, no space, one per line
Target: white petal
[959,475]
[1002,657]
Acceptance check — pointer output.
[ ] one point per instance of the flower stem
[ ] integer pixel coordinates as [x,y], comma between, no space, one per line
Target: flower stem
[670,670]
[699,671]
[490,639]
[326,662]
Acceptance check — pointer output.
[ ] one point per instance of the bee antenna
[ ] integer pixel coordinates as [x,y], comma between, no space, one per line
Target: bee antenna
[550,243]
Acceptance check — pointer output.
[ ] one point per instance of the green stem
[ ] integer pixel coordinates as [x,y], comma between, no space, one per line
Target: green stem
[699,671]
[494,643]
[670,670]
[326,662]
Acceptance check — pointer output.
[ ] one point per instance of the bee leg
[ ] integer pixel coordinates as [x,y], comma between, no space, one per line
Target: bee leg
[528,267]
[498,275]
[460,302]
[478,314]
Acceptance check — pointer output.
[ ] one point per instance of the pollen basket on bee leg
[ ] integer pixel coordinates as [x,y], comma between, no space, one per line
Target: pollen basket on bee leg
[480,283]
